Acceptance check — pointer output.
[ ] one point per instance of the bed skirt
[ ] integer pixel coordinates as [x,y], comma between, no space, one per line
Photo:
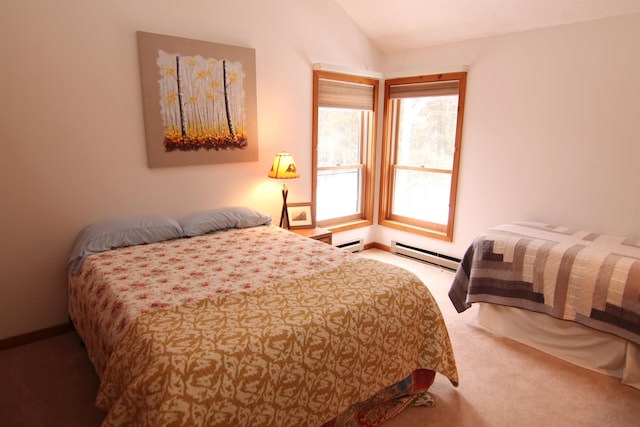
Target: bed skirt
[598,351]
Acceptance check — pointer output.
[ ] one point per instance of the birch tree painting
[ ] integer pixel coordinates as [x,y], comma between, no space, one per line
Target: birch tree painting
[201,102]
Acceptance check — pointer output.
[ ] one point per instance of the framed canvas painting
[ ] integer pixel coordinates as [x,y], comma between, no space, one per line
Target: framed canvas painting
[199,101]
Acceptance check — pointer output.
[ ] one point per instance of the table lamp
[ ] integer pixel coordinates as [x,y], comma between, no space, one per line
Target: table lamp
[284,167]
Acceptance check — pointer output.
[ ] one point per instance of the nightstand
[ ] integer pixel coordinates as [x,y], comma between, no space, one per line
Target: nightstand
[321,234]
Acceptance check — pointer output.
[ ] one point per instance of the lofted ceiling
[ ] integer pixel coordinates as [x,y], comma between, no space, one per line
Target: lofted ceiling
[397,25]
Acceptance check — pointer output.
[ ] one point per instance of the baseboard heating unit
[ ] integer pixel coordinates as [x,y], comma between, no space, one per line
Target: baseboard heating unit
[430,257]
[352,246]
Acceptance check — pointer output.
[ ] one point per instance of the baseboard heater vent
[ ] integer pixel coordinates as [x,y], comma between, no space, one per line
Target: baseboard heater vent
[425,255]
[352,246]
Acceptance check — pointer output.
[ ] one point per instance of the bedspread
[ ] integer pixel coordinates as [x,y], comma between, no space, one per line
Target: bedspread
[298,352]
[115,287]
[585,277]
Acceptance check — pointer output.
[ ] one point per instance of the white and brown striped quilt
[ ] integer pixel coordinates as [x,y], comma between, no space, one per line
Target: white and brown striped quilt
[589,278]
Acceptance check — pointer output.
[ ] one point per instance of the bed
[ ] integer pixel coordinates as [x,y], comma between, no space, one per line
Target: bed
[570,293]
[220,318]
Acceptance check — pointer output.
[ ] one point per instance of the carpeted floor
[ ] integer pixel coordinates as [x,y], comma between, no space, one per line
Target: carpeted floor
[502,383]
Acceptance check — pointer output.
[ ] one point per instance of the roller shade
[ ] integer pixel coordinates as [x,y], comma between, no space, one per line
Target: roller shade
[340,94]
[415,90]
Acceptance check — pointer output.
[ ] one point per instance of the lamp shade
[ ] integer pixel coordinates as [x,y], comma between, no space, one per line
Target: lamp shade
[284,167]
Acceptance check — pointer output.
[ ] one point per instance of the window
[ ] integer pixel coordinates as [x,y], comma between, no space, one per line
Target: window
[421,151]
[344,119]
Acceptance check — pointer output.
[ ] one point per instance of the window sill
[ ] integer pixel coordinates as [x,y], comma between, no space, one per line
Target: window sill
[349,225]
[416,230]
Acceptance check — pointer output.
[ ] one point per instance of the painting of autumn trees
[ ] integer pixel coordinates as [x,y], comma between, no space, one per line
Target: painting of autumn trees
[201,102]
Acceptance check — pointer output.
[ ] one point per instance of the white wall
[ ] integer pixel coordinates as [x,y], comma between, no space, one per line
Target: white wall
[551,131]
[72,146]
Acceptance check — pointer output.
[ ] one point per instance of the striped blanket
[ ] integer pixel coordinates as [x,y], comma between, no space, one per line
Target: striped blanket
[585,277]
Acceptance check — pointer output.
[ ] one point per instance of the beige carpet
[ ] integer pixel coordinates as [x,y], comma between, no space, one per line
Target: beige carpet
[502,383]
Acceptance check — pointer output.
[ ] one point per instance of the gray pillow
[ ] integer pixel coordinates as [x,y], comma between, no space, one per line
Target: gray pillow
[223,218]
[116,233]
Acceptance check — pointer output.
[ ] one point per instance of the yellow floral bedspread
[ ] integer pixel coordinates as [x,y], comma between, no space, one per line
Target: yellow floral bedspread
[296,353]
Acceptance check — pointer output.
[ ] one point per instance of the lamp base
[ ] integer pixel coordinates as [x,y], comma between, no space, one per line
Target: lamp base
[284,215]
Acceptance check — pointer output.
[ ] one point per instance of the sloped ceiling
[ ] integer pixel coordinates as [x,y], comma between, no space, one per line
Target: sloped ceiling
[397,25]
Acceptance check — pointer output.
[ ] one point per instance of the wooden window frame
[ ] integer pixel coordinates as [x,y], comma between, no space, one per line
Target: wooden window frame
[367,155]
[388,166]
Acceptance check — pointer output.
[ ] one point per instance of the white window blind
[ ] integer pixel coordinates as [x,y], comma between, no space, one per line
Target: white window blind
[341,94]
[415,90]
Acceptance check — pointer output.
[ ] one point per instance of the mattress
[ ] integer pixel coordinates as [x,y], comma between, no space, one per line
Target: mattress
[253,326]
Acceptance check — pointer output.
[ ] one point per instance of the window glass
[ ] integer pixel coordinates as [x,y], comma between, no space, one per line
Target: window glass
[338,136]
[427,131]
[338,193]
[422,195]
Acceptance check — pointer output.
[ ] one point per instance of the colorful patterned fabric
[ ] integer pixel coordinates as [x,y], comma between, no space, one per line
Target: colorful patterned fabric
[388,402]
[588,278]
[299,352]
